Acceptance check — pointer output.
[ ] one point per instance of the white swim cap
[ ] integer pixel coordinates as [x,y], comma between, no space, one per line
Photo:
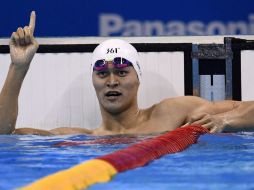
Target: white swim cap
[112,48]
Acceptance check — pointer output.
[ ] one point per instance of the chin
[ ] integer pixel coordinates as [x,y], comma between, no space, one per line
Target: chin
[115,108]
[112,105]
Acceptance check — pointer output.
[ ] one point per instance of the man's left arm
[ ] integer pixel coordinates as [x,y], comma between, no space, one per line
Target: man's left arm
[225,116]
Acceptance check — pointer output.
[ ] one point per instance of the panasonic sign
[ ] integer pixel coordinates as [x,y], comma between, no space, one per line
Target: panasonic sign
[111,24]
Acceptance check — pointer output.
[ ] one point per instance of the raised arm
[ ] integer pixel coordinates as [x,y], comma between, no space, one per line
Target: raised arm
[225,116]
[23,46]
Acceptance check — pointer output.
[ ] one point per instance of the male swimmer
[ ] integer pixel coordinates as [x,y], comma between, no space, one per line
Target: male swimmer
[116,78]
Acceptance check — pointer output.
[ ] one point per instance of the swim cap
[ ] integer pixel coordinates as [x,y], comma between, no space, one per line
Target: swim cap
[112,48]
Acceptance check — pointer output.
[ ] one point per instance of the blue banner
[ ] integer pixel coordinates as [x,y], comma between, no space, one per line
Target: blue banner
[129,17]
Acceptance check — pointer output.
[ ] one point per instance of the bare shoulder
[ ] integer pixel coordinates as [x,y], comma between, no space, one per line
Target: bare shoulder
[186,102]
[180,106]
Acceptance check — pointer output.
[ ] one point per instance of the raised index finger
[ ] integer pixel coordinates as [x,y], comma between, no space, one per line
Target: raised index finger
[32,22]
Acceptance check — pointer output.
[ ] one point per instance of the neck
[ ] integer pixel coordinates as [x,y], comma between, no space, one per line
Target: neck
[122,121]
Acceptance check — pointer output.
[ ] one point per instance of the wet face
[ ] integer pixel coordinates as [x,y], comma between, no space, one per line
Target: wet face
[116,89]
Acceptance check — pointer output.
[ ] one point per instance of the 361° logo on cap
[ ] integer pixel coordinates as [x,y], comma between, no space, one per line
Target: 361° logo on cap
[112,50]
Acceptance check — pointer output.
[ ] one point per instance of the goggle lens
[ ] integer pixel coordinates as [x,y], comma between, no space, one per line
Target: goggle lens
[118,62]
[100,65]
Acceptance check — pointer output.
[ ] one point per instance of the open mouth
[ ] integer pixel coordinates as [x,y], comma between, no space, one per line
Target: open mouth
[113,94]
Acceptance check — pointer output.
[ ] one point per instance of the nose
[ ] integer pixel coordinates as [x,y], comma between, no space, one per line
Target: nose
[112,81]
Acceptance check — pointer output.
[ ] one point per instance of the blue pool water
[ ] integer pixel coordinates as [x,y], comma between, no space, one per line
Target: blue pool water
[215,162]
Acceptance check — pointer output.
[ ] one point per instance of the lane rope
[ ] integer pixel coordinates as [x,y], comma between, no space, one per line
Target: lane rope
[103,168]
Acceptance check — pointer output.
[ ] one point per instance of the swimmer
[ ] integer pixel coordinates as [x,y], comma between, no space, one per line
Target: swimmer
[116,78]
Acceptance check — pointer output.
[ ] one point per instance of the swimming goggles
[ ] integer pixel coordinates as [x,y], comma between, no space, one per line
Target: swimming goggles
[118,62]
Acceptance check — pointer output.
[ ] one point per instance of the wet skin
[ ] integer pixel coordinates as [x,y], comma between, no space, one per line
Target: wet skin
[116,90]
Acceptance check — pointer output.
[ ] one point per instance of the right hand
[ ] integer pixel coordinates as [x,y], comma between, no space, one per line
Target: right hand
[23,46]
[214,123]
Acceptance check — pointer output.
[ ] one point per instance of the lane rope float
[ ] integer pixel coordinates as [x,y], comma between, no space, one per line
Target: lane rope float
[103,168]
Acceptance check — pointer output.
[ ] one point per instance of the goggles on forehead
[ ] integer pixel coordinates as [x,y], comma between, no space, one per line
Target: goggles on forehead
[118,62]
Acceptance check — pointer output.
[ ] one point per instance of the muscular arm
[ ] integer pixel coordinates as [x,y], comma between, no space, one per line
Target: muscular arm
[9,99]
[23,46]
[225,116]
[240,118]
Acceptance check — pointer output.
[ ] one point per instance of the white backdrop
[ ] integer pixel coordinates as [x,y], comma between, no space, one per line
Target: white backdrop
[57,91]
[247,76]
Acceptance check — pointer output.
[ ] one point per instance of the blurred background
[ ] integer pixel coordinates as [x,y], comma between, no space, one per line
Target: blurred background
[204,61]
[129,17]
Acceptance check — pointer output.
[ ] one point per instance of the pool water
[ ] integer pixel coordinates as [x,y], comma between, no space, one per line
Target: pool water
[216,162]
